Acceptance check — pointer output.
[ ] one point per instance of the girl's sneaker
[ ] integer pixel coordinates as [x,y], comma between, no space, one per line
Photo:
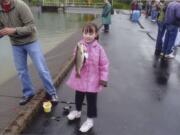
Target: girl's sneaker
[74,115]
[87,125]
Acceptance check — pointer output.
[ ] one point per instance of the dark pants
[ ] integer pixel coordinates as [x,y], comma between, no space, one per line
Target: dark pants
[161,31]
[170,38]
[148,10]
[106,27]
[91,103]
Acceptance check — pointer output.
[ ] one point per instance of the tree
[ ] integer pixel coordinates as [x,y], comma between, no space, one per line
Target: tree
[89,2]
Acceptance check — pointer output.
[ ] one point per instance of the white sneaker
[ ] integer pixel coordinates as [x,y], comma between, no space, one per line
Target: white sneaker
[169,56]
[161,54]
[74,115]
[87,125]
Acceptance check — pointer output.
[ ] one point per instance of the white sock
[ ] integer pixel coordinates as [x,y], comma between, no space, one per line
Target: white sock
[90,120]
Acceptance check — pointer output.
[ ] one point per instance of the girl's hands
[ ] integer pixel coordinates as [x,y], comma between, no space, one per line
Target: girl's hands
[78,75]
[103,83]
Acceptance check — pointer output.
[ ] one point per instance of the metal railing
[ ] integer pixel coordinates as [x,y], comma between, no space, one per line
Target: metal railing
[66,3]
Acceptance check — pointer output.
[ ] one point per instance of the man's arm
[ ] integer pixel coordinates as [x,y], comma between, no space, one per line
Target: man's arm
[27,19]
[1,27]
[177,16]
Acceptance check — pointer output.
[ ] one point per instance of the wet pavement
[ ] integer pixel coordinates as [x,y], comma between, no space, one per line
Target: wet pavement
[142,97]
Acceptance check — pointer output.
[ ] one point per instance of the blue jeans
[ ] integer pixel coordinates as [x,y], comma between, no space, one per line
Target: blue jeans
[154,14]
[161,31]
[171,33]
[20,54]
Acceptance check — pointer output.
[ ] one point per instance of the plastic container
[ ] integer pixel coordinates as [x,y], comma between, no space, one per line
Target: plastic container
[47,106]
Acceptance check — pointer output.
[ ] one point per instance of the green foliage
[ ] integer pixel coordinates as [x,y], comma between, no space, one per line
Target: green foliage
[121,5]
[34,2]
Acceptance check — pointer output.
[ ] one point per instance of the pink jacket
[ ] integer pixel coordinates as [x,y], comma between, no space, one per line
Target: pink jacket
[94,70]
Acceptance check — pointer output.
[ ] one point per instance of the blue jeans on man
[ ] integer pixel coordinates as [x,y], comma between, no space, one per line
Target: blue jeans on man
[170,37]
[20,54]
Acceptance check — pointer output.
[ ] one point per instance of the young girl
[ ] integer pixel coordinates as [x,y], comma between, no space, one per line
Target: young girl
[93,76]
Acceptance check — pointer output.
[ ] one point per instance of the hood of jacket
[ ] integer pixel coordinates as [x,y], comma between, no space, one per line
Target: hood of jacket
[12,5]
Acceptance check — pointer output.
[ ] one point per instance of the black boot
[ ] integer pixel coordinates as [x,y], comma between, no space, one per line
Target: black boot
[24,100]
[54,99]
[157,52]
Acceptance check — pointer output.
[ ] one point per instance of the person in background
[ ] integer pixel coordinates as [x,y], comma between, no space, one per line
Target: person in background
[161,27]
[140,6]
[172,20]
[106,15]
[17,22]
[148,8]
[134,5]
[154,11]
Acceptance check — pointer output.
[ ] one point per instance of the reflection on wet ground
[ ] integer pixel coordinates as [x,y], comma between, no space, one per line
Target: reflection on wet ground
[161,70]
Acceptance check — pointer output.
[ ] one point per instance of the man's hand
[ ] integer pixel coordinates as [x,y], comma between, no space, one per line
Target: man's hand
[7,31]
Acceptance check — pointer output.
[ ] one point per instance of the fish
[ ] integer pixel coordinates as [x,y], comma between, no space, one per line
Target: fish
[79,59]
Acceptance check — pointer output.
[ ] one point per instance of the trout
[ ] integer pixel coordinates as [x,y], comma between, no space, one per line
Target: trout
[79,58]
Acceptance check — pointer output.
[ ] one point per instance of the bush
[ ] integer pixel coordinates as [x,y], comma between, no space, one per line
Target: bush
[121,5]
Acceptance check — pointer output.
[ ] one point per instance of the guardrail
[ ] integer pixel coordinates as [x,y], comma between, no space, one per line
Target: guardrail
[70,4]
